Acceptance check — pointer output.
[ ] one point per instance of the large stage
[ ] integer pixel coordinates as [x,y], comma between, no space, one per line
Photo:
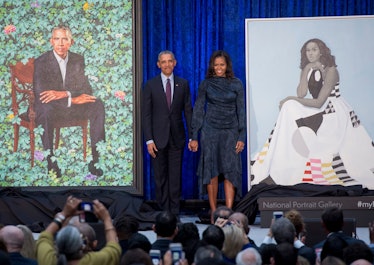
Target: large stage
[37,208]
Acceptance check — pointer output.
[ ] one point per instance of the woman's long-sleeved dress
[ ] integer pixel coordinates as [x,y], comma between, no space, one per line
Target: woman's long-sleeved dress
[219,114]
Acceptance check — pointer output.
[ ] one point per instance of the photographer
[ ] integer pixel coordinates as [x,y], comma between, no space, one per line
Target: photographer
[69,242]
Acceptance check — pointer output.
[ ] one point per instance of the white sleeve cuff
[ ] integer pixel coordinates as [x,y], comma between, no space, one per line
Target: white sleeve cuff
[69,99]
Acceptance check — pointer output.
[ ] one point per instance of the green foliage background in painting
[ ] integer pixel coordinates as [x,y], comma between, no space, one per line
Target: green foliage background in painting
[102,32]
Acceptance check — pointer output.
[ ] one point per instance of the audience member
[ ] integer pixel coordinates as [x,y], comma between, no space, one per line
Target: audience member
[361,262]
[69,238]
[211,261]
[331,260]
[333,246]
[248,256]
[93,242]
[208,251]
[126,225]
[267,253]
[165,228]
[139,240]
[13,238]
[298,222]
[241,220]
[333,221]
[4,258]
[234,242]
[302,261]
[285,254]
[188,236]
[282,230]
[136,256]
[357,251]
[221,215]
[29,245]
[213,235]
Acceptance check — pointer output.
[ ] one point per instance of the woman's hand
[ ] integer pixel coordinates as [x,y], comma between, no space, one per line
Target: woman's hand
[286,99]
[239,147]
[71,207]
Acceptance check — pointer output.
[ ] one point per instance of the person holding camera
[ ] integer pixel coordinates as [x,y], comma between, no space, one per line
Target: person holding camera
[70,243]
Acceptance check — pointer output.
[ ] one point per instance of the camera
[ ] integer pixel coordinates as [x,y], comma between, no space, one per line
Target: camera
[155,256]
[176,252]
[87,216]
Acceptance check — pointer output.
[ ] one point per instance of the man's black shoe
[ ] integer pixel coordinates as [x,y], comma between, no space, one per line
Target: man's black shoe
[52,166]
[94,170]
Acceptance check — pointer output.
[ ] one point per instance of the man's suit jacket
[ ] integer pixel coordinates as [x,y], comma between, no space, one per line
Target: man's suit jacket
[47,76]
[160,123]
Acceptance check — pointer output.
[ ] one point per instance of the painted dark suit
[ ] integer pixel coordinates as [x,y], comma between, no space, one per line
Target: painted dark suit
[166,128]
[47,76]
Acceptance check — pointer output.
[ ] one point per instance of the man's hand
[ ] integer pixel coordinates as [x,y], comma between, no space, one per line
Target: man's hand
[51,95]
[152,149]
[82,99]
[193,145]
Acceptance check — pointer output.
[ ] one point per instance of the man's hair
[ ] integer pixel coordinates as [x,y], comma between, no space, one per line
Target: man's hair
[166,223]
[187,232]
[13,237]
[165,52]
[333,219]
[333,246]
[136,256]
[222,212]
[213,235]
[65,28]
[248,256]
[356,251]
[126,225]
[208,251]
[242,219]
[283,231]
[285,254]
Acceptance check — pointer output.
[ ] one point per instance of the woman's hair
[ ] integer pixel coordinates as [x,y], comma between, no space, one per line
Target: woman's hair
[326,58]
[229,72]
[297,220]
[29,245]
[70,244]
[234,240]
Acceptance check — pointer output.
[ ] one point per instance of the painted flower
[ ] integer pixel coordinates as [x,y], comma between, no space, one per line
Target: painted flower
[10,117]
[119,35]
[90,177]
[35,4]
[87,6]
[9,29]
[120,94]
[38,155]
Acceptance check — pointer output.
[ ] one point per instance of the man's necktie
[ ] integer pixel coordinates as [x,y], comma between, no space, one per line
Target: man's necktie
[168,92]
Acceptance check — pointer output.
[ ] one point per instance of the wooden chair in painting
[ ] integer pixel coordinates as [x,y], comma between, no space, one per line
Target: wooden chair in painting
[23,99]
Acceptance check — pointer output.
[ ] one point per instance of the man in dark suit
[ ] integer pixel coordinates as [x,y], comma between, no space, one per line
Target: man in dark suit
[333,222]
[62,91]
[165,228]
[164,130]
